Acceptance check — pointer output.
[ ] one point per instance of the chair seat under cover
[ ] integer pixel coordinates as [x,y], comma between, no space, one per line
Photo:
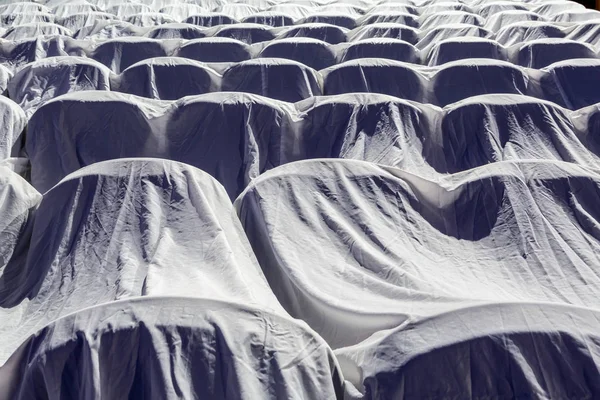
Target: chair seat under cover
[170,348]
[128,228]
[388,246]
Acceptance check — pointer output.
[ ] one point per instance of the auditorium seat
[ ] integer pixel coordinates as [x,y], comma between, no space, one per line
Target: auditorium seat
[310,52]
[505,18]
[459,80]
[176,31]
[17,210]
[237,11]
[577,16]
[327,33]
[5,76]
[66,9]
[389,247]
[450,17]
[492,128]
[393,8]
[296,11]
[215,50]
[210,19]
[276,78]
[526,31]
[586,32]
[363,126]
[181,11]
[390,17]
[269,18]
[450,31]
[23,7]
[149,19]
[543,52]
[384,30]
[552,8]
[392,49]
[8,20]
[120,53]
[330,18]
[232,136]
[444,6]
[102,30]
[487,9]
[125,10]
[168,345]
[373,75]
[167,78]
[15,55]
[574,84]
[244,32]
[76,21]
[13,122]
[35,30]
[45,79]
[449,50]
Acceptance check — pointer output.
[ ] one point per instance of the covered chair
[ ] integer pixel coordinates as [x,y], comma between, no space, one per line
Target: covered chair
[371,75]
[574,84]
[543,52]
[492,128]
[327,33]
[391,49]
[215,50]
[459,80]
[13,122]
[233,136]
[118,54]
[167,78]
[43,80]
[464,48]
[310,52]
[276,78]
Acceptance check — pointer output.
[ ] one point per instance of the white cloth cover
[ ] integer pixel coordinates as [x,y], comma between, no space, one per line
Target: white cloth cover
[459,80]
[392,49]
[313,53]
[377,76]
[269,18]
[174,347]
[492,128]
[369,127]
[109,232]
[232,136]
[12,126]
[325,32]
[543,52]
[167,78]
[244,32]
[342,20]
[389,247]
[118,54]
[210,19]
[176,31]
[462,48]
[215,50]
[13,55]
[275,78]
[43,80]
[17,206]
[34,30]
[76,21]
[388,30]
[525,31]
[15,19]
[573,83]
[494,351]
